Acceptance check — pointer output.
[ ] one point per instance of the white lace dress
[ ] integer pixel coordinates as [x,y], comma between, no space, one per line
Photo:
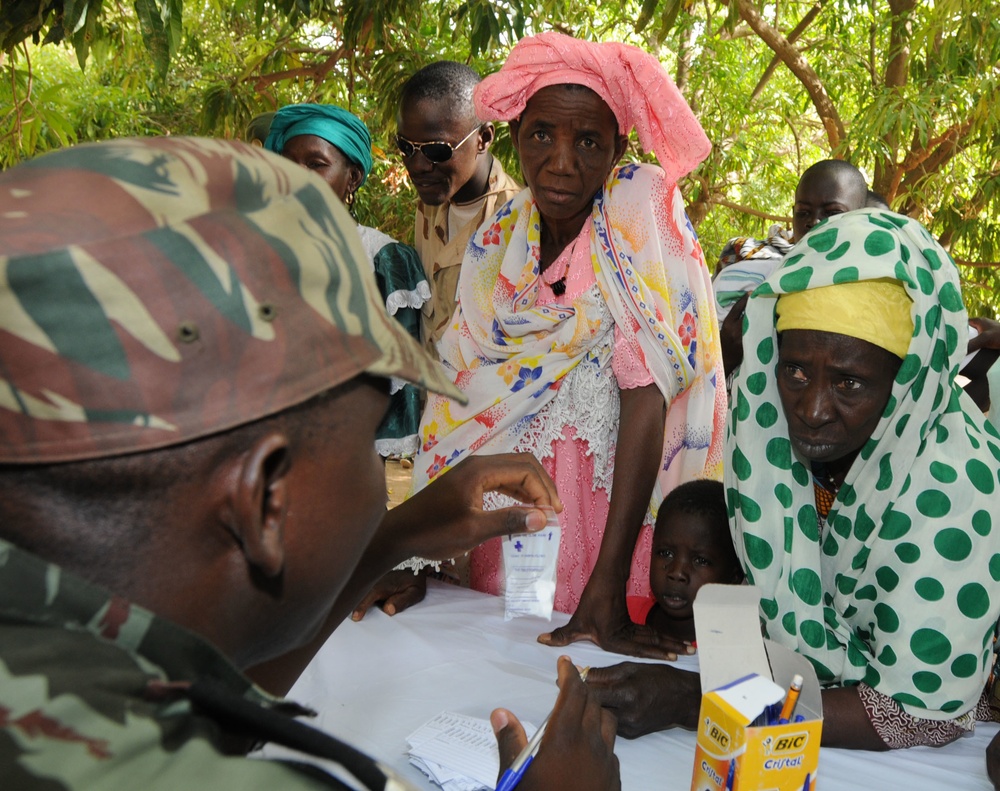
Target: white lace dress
[575,437]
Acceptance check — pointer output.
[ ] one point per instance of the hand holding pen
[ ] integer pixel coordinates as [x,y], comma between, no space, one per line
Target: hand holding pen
[575,748]
[511,778]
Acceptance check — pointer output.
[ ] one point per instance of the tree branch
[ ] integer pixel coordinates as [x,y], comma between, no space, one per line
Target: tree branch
[953,134]
[317,71]
[799,29]
[897,69]
[800,68]
[918,163]
[942,154]
[748,210]
[977,264]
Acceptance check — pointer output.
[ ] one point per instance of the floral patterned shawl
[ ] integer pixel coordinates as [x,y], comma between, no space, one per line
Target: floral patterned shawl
[509,355]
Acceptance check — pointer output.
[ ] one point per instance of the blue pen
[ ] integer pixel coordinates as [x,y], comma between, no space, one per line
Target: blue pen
[516,770]
[731,776]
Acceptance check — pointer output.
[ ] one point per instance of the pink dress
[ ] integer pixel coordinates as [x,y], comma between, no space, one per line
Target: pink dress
[639,608]
[581,466]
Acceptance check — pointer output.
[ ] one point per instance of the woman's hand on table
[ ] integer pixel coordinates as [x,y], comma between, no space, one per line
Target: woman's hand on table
[577,750]
[395,592]
[602,614]
[647,698]
[602,618]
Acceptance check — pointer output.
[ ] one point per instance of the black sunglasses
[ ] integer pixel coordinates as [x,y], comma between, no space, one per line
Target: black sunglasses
[436,152]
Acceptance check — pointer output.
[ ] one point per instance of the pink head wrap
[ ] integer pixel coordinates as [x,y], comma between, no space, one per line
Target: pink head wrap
[633,83]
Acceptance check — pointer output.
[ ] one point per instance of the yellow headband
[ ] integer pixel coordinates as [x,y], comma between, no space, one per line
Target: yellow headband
[877,311]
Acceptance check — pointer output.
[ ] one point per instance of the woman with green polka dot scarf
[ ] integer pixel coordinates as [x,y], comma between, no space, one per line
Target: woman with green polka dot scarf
[863,482]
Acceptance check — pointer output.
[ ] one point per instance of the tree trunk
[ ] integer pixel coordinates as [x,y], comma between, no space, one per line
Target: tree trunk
[897,73]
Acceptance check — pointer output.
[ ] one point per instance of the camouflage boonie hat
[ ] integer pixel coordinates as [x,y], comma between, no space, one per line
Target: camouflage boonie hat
[153,291]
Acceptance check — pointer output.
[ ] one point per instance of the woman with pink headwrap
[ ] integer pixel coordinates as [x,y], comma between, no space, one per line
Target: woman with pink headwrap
[586,332]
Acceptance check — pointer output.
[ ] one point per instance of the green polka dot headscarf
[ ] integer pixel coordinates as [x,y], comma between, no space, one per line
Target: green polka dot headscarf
[899,587]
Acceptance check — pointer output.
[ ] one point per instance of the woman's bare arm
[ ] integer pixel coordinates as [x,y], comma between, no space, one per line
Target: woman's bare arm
[602,616]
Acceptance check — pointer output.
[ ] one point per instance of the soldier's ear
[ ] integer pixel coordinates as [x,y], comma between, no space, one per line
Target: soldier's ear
[257,502]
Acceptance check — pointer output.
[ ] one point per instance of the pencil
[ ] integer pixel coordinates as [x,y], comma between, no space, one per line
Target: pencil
[790,700]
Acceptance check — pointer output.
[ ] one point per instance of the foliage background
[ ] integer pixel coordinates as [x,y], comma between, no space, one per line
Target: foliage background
[905,90]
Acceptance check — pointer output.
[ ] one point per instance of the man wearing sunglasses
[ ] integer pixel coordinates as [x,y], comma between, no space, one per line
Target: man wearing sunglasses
[445,148]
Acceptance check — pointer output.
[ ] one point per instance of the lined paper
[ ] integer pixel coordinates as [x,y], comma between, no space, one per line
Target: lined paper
[458,752]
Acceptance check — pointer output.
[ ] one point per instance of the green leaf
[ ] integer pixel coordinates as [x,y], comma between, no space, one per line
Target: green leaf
[154,35]
[172,24]
[670,11]
[645,14]
[81,43]
[55,35]
[732,17]
[74,15]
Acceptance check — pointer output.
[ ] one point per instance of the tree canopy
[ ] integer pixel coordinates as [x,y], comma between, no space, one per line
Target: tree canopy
[902,89]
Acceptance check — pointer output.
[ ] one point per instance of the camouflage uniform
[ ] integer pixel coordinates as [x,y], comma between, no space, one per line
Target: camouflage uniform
[154,292]
[97,693]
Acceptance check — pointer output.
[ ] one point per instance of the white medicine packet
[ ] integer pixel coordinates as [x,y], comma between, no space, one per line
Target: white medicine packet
[529,564]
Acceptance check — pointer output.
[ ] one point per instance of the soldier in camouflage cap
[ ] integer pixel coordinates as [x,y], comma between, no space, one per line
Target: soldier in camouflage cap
[192,369]
[155,294]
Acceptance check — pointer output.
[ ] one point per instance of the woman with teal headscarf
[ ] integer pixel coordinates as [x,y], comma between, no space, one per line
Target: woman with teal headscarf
[337,146]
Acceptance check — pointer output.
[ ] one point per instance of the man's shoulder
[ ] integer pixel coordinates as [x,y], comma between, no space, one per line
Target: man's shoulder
[77,711]
[501,183]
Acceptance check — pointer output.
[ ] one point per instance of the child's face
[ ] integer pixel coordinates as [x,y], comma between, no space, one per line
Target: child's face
[688,551]
[822,194]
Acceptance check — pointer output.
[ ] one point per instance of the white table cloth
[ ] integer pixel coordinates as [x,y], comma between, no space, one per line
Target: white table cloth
[377,681]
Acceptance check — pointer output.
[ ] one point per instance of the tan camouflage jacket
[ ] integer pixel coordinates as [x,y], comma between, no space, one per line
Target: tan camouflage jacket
[97,693]
[442,258]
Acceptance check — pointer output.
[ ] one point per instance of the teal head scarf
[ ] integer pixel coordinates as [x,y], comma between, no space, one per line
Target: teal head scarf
[899,587]
[335,125]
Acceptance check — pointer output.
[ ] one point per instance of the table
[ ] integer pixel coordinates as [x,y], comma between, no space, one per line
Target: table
[375,682]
